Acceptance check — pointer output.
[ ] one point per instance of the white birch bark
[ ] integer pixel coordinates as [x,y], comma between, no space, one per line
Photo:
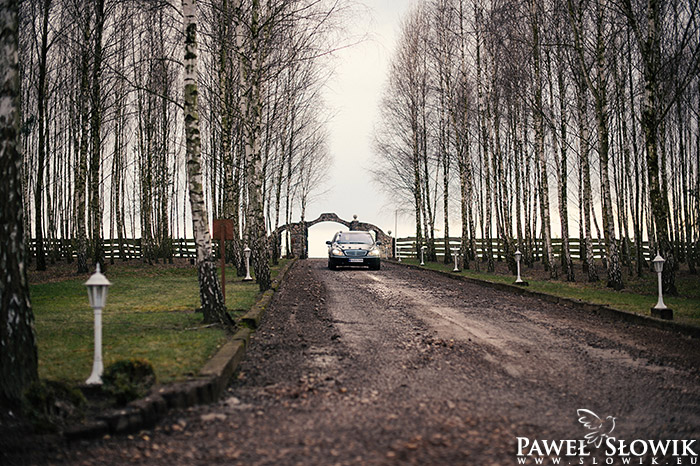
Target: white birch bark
[18,354]
[601,104]
[251,106]
[548,256]
[209,287]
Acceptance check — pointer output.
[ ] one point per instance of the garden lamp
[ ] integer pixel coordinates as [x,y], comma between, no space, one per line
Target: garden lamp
[660,310]
[518,255]
[455,252]
[97,286]
[246,253]
[386,248]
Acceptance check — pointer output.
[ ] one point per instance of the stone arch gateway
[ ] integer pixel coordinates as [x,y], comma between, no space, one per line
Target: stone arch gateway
[299,232]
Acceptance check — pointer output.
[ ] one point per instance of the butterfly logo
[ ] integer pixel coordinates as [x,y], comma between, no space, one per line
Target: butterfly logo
[600,429]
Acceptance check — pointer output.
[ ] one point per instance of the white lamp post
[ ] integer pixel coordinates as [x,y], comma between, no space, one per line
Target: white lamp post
[97,295]
[386,248]
[422,248]
[246,253]
[519,255]
[396,230]
[455,253]
[660,310]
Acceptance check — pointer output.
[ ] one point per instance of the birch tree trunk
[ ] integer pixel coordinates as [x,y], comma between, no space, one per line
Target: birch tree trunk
[18,353]
[696,246]
[95,131]
[445,197]
[519,160]
[210,294]
[468,249]
[650,51]
[417,193]
[289,194]
[528,253]
[601,107]
[445,89]
[635,195]
[624,174]
[251,77]
[566,261]
[465,203]
[582,87]
[501,201]
[548,256]
[230,205]
[81,174]
[41,104]
[483,150]
[428,206]
[488,236]
[238,258]
[118,172]
[589,265]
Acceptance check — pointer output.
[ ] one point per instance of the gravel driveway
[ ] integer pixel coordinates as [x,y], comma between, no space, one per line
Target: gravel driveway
[406,366]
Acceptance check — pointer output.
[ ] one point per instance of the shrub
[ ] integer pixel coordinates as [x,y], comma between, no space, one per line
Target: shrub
[128,379]
[48,404]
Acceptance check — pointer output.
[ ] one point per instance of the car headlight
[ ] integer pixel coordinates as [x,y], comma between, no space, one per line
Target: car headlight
[336,252]
[374,252]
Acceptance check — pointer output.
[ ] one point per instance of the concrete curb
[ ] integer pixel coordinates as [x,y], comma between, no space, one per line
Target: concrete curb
[207,387]
[252,318]
[598,309]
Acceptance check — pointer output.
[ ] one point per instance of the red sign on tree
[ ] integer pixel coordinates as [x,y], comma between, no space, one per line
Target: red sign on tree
[223,229]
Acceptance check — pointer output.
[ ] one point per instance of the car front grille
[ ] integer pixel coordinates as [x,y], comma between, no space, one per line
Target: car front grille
[355,253]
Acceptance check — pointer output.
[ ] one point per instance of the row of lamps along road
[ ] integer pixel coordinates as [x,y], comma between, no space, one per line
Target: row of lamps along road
[659,310]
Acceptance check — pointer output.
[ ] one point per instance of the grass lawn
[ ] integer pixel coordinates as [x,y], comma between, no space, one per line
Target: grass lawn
[639,296]
[149,314]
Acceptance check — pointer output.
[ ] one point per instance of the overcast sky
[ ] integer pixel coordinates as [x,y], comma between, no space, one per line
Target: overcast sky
[353,96]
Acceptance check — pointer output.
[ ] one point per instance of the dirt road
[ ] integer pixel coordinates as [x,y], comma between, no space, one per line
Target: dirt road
[405,366]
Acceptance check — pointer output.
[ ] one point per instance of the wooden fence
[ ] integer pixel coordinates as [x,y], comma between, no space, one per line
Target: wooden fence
[131,248]
[406,247]
[185,247]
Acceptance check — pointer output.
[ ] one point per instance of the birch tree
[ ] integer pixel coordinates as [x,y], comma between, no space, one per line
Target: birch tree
[461,111]
[399,140]
[597,84]
[648,21]
[18,353]
[210,294]
[585,204]
[95,201]
[83,35]
[538,111]
[42,143]
[252,63]
[560,134]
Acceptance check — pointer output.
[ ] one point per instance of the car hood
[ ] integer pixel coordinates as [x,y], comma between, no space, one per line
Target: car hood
[362,247]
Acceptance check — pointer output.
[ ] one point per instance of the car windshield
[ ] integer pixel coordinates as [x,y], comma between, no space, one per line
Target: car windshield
[354,238]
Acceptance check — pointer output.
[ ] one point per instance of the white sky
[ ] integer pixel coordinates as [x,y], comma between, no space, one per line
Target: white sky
[353,94]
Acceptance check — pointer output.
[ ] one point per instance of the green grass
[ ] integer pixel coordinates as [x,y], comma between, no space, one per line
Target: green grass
[639,296]
[149,314]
